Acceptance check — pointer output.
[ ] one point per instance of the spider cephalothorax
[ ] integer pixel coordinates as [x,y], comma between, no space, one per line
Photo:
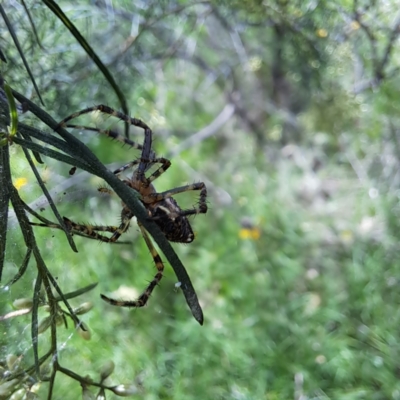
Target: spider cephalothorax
[161,207]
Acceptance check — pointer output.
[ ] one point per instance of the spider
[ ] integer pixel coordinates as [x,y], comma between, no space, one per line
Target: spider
[162,208]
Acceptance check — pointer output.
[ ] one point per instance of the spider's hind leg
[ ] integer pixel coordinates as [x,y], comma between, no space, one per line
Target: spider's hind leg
[144,297]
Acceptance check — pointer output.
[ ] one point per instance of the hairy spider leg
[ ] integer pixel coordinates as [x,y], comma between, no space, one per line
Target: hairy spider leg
[146,153]
[110,133]
[165,164]
[81,229]
[132,164]
[91,230]
[106,110]
[126,166]
[144,297]
[201,209]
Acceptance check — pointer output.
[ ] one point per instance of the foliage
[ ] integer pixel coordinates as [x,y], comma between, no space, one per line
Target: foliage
[288,111]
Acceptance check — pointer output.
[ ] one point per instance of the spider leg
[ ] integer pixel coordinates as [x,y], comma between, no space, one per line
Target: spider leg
[126,216]
[165,164]
[144,297]
[91,230]
[201,209]
[126,166]
[136,162]
[106,110]
[110,133]
[82,229]
[147,153]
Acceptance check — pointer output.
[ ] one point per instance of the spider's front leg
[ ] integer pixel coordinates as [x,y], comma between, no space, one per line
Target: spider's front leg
[107,132]
[202,205]
[146,147]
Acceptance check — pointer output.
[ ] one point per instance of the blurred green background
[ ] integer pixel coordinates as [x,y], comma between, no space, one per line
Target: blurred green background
[289,112]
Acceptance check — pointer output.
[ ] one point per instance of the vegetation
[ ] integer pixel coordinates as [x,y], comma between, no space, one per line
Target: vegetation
[288,111]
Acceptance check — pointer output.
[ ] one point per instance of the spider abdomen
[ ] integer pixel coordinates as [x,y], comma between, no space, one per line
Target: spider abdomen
[176,227]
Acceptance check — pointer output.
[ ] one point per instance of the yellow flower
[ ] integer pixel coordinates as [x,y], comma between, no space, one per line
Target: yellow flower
[20,182]
[346,236]
[354,25]
[250,233]
[322,33]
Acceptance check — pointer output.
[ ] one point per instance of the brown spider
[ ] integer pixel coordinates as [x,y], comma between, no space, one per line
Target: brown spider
[161,207]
